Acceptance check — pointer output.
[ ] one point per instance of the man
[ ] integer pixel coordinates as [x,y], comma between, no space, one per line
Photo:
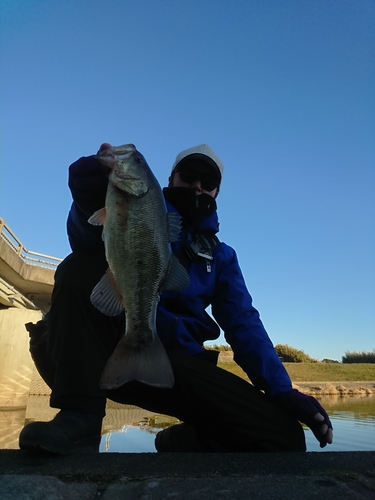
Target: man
[219,411]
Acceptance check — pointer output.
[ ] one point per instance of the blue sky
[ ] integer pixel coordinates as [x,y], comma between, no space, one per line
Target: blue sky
[282,90]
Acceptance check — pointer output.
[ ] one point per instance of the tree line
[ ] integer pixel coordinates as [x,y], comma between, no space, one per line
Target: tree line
[359,357]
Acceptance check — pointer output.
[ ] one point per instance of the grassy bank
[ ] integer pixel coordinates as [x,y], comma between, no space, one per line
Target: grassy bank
[319,372]
[326,372]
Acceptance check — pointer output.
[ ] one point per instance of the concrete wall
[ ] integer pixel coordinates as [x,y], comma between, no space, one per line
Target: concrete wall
[16,365]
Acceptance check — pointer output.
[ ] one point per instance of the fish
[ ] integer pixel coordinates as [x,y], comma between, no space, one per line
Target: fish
[137,235]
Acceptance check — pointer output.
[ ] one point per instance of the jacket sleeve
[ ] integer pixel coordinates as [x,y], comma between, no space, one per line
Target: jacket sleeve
[253,350]
[88,181]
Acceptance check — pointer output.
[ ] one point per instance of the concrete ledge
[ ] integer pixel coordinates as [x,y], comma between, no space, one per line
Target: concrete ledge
[34,282]
[87,475]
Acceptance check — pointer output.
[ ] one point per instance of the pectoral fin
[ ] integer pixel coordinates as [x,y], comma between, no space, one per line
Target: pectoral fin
[105,296]
[177,276]
[174,226]
[98,217]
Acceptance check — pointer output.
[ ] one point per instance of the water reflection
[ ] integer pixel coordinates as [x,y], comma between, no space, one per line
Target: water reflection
[11,423]
[353,420]
[362,406]
[128,429]
[137,432]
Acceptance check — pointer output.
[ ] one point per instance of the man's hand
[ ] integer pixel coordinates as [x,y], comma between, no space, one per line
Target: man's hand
[309,411]
[105,168]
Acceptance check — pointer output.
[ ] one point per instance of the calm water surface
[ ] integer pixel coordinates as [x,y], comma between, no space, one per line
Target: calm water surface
[353,421]
[133,431]
[352,417]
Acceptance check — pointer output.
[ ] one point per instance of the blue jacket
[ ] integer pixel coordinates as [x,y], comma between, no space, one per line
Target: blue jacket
[182,321]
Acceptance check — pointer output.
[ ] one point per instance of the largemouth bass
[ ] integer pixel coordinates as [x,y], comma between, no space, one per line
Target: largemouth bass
[137,231]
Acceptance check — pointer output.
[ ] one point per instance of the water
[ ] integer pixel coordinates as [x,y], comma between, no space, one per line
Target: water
[353,421]
[133,430]
[352,417]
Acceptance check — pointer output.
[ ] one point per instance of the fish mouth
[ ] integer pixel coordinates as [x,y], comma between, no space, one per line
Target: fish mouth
[125,177]
[123,150]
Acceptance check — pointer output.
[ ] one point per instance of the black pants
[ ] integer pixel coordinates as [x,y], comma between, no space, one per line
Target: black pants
[223,408]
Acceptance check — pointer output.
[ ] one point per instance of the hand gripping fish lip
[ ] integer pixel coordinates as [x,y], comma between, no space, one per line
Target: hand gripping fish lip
[110,156]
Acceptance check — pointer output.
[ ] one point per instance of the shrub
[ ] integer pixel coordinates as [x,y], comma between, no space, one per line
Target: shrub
[216,347]
[359,357]
[289,354]
[327,360]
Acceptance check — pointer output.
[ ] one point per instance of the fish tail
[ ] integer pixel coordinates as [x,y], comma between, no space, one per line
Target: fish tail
[149,365]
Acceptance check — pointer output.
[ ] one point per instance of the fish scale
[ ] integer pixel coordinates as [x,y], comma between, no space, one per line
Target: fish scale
[137,232]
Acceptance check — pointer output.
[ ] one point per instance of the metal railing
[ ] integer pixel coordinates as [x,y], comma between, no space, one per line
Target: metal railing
[33,258]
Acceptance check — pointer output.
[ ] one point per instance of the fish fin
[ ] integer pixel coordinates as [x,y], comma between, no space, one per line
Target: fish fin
[105,296]
[177,276]
[150,365]
[174,226]
[98,217]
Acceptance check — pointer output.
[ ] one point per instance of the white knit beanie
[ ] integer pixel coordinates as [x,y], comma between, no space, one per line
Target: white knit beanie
[204,150]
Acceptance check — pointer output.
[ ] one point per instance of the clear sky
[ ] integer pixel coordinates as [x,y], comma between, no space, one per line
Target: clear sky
[282,90]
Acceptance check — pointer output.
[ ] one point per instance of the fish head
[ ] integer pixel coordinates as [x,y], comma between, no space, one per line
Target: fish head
[128,169]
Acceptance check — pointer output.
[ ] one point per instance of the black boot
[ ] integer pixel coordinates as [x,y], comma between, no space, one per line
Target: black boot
[62,435]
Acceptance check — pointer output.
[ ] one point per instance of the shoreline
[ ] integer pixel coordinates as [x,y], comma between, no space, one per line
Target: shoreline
[327,387]
[336,388]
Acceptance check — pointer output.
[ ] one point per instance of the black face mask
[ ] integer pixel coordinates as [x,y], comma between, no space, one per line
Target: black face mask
[191,207]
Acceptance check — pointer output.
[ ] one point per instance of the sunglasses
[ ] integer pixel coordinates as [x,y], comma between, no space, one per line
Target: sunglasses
[189,175]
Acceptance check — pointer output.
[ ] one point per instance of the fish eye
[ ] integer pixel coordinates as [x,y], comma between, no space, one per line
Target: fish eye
[138,159]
